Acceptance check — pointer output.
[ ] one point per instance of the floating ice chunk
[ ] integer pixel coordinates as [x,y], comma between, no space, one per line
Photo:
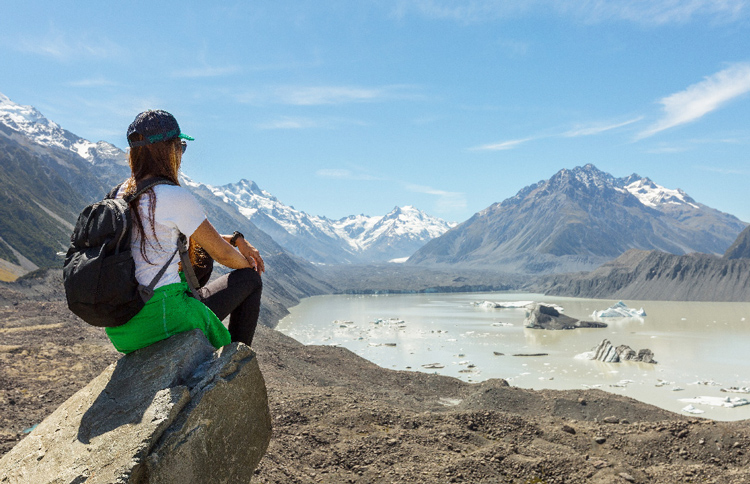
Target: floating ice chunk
[433,365]
[677,389]
[706,382]
[728,402]
[506,304]
[619,310]
[589,355]
[692,409]
[736,389]
[502,324]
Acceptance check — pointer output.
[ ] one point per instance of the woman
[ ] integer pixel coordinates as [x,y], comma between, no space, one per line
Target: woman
[160,214]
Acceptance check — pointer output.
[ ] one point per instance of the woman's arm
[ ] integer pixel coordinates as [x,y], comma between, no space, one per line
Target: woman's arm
[248,251]
[219,249]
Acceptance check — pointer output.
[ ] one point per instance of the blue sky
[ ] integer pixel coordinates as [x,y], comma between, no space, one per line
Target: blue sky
[344,107]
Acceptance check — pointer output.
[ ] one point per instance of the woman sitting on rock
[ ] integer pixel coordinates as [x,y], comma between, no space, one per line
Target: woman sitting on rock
[160,215]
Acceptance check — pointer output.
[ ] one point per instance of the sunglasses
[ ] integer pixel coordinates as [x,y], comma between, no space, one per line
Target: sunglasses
[183,143]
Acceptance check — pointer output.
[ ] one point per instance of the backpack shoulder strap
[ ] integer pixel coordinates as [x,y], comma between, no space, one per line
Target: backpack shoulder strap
[146,185]
[113,193]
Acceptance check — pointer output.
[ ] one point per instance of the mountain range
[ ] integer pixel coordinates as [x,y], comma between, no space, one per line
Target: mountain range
[47,176]
[352,239]
[576,220]
[579,219]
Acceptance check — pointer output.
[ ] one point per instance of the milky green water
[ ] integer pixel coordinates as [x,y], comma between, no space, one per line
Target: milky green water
[700,347]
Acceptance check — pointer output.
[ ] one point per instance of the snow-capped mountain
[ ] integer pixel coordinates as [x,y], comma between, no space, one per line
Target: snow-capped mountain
[47,175]
[90,168]
[357,238]
[30,123]
[579,219]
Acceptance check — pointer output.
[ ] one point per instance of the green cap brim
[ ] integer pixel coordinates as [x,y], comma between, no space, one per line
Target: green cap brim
[184,136]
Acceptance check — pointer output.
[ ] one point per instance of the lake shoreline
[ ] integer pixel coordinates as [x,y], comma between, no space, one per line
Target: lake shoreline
[663,384]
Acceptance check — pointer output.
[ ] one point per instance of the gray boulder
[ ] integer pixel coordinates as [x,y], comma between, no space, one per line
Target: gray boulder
[175,412]
[540,316]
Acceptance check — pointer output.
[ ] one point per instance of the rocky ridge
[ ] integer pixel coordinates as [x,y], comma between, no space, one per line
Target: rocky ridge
[654,275]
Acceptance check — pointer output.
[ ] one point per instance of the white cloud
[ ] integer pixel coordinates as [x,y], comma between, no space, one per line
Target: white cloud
[655,12]
[93,82]
[723,171]
[638,11]
[206,71]
[446,201]
[598,128]
[505,145]
[345,174]
[325,95]
[293,123]
[319,95]
[62,47]
[700,99]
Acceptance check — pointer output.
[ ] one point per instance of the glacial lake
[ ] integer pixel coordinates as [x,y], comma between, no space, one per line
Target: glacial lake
[701,348]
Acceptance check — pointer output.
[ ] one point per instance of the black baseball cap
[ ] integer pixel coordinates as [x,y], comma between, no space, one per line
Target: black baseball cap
[155,126]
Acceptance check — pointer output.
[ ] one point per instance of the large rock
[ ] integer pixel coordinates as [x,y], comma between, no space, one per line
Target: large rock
[540,316]
[174,412]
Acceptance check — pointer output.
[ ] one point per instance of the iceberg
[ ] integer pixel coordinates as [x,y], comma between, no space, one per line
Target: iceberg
[736,389]
[510,305]
[728,402]
[619,310]
[692,409]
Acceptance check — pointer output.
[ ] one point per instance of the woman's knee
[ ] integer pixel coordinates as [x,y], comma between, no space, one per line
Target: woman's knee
[246,277]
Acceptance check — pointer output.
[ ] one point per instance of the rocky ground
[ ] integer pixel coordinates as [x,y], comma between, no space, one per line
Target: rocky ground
[340,419]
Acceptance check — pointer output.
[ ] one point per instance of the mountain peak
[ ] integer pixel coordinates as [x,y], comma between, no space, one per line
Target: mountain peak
[32,124]
[579,218]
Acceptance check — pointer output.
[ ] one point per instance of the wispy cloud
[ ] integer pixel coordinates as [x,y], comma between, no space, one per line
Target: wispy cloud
[446,201]
[598,128]
[580,130]
[63,47]
[723,171]
[662,150]
[206,71]
[653,12]
[504,145]
[93,82]
[293,123]
[319,95]
[345,174]
[700,99]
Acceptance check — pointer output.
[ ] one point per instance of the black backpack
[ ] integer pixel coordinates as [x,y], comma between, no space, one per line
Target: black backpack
[99,270]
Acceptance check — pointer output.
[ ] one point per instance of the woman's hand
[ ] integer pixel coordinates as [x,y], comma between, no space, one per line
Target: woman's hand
[251,254]
[218,247]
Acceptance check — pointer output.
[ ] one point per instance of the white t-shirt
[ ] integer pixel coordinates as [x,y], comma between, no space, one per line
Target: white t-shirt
[177,211]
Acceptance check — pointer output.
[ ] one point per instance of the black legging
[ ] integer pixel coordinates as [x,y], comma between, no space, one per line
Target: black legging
[236,294]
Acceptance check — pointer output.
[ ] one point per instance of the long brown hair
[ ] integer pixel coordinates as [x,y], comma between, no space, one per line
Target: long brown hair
[160,159]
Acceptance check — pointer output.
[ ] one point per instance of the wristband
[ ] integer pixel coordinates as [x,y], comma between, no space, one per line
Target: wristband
[235,236]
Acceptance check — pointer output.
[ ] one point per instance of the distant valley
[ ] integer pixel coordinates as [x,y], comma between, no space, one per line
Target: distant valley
[576,221]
